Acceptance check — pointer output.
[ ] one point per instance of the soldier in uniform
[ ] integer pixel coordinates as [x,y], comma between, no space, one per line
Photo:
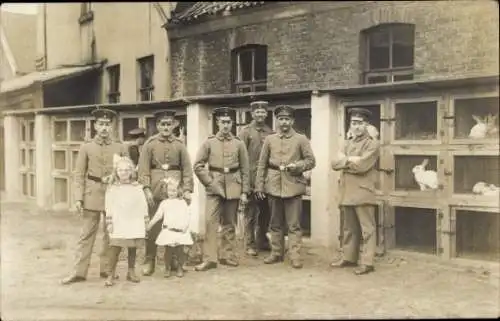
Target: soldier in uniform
[226,183]
[284,157]
[257,212]
[139,136]
[162,156]
[357,193]
[94,165]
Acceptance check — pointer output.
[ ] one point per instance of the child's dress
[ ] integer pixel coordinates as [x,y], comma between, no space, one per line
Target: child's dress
[176,218]
[127,207]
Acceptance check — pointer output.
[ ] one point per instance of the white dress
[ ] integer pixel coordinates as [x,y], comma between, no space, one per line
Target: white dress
[126,205]
[176,217]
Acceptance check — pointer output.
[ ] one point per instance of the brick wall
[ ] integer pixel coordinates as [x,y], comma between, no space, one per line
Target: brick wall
[322,49]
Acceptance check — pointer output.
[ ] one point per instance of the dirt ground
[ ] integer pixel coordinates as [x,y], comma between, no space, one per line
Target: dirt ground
[37,249]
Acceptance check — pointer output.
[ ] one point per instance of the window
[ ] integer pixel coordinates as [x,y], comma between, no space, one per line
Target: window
[146,73]
[127,125]
[114,84]
[389,53]
[86,13]
[249,65]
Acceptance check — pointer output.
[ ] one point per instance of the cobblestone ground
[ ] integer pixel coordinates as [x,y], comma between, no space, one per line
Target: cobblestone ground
[37,251]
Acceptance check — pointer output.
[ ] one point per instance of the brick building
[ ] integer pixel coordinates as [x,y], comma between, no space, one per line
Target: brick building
[422,67]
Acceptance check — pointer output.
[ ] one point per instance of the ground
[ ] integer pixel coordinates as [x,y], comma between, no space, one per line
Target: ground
[37,251]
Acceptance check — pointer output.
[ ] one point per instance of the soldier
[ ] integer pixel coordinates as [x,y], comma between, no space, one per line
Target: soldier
[139,136]
[357,193]
[257,211]
[162,156]
[94,164]
[226,183]
[284,157]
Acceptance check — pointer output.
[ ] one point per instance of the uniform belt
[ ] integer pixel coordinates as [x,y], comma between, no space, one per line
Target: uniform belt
[170,167]
[94,178]
[223,170]
[172,229]
[275,167]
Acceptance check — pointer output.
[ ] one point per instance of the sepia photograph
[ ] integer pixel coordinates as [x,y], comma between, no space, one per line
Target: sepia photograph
[249,160]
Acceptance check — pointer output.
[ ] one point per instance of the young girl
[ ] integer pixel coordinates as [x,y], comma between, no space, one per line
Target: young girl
[126,216]
[175,232]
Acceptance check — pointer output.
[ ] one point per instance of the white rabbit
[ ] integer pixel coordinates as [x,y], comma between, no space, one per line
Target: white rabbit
[426,179]
[492,190]
[479,188]
[480,129]
[491,127]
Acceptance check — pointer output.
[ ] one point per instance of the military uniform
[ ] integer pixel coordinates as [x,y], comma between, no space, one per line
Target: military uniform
[225,179]
[257,212]
[94,162]
[357,197]
[284,187]
[162,157]
[134,149]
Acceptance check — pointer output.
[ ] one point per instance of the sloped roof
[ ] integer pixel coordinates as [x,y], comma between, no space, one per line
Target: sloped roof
[201,9]
[43,76]
[20,32]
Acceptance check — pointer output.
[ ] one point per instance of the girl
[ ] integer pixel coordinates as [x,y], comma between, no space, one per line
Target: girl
[126,216]
[175,232]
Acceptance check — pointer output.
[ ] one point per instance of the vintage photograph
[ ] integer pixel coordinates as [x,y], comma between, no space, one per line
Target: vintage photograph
[249,160]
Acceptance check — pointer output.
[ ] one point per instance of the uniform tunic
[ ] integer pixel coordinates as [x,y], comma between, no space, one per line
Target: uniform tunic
[253,136]
[223,152]
[127,208]
[95,158]
[160,151]
[283,149]
[357,180]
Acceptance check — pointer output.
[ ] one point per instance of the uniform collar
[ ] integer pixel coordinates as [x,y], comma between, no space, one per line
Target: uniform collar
[263,128]
[361,137]
[170,138]
[290,133]
[221,136]
[102,141]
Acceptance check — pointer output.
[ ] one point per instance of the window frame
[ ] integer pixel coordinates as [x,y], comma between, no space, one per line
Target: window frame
[237,85]
[391,72]
[114,74]
[145,91]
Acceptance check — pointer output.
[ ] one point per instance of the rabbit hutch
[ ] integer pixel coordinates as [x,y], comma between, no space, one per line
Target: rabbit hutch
[438,188]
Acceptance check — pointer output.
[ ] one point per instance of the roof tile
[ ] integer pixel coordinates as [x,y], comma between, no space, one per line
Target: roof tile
[200,9]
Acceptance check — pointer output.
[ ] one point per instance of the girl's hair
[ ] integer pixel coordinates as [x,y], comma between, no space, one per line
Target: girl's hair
[130,164]
[165,183]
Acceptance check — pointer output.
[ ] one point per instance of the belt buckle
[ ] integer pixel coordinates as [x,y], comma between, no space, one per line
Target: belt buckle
[165,167]
[226,170]
[282,167]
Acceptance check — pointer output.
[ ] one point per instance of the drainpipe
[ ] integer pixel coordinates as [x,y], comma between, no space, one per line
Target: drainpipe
[45,36]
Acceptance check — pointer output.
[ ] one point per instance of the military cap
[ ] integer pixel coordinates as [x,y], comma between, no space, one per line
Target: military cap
[164,113]
[224,111]
[259,105]
[103,113]
[284,110]
[360,112]
[137,132]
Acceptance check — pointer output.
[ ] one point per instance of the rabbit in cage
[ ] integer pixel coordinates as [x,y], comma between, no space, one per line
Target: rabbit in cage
[426,179]
[486,189]
[372,131]
[484,127]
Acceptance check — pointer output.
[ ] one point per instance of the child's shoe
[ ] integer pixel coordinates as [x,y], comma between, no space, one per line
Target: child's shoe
[166,274]
[132,277]
[109,281]
[180,272]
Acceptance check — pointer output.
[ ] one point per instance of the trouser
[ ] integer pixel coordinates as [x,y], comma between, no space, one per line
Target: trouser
[86,242]
[359,225]
[114,254]
[257,218]
[151,247]
[178,252]
[285,212]
[219,211]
